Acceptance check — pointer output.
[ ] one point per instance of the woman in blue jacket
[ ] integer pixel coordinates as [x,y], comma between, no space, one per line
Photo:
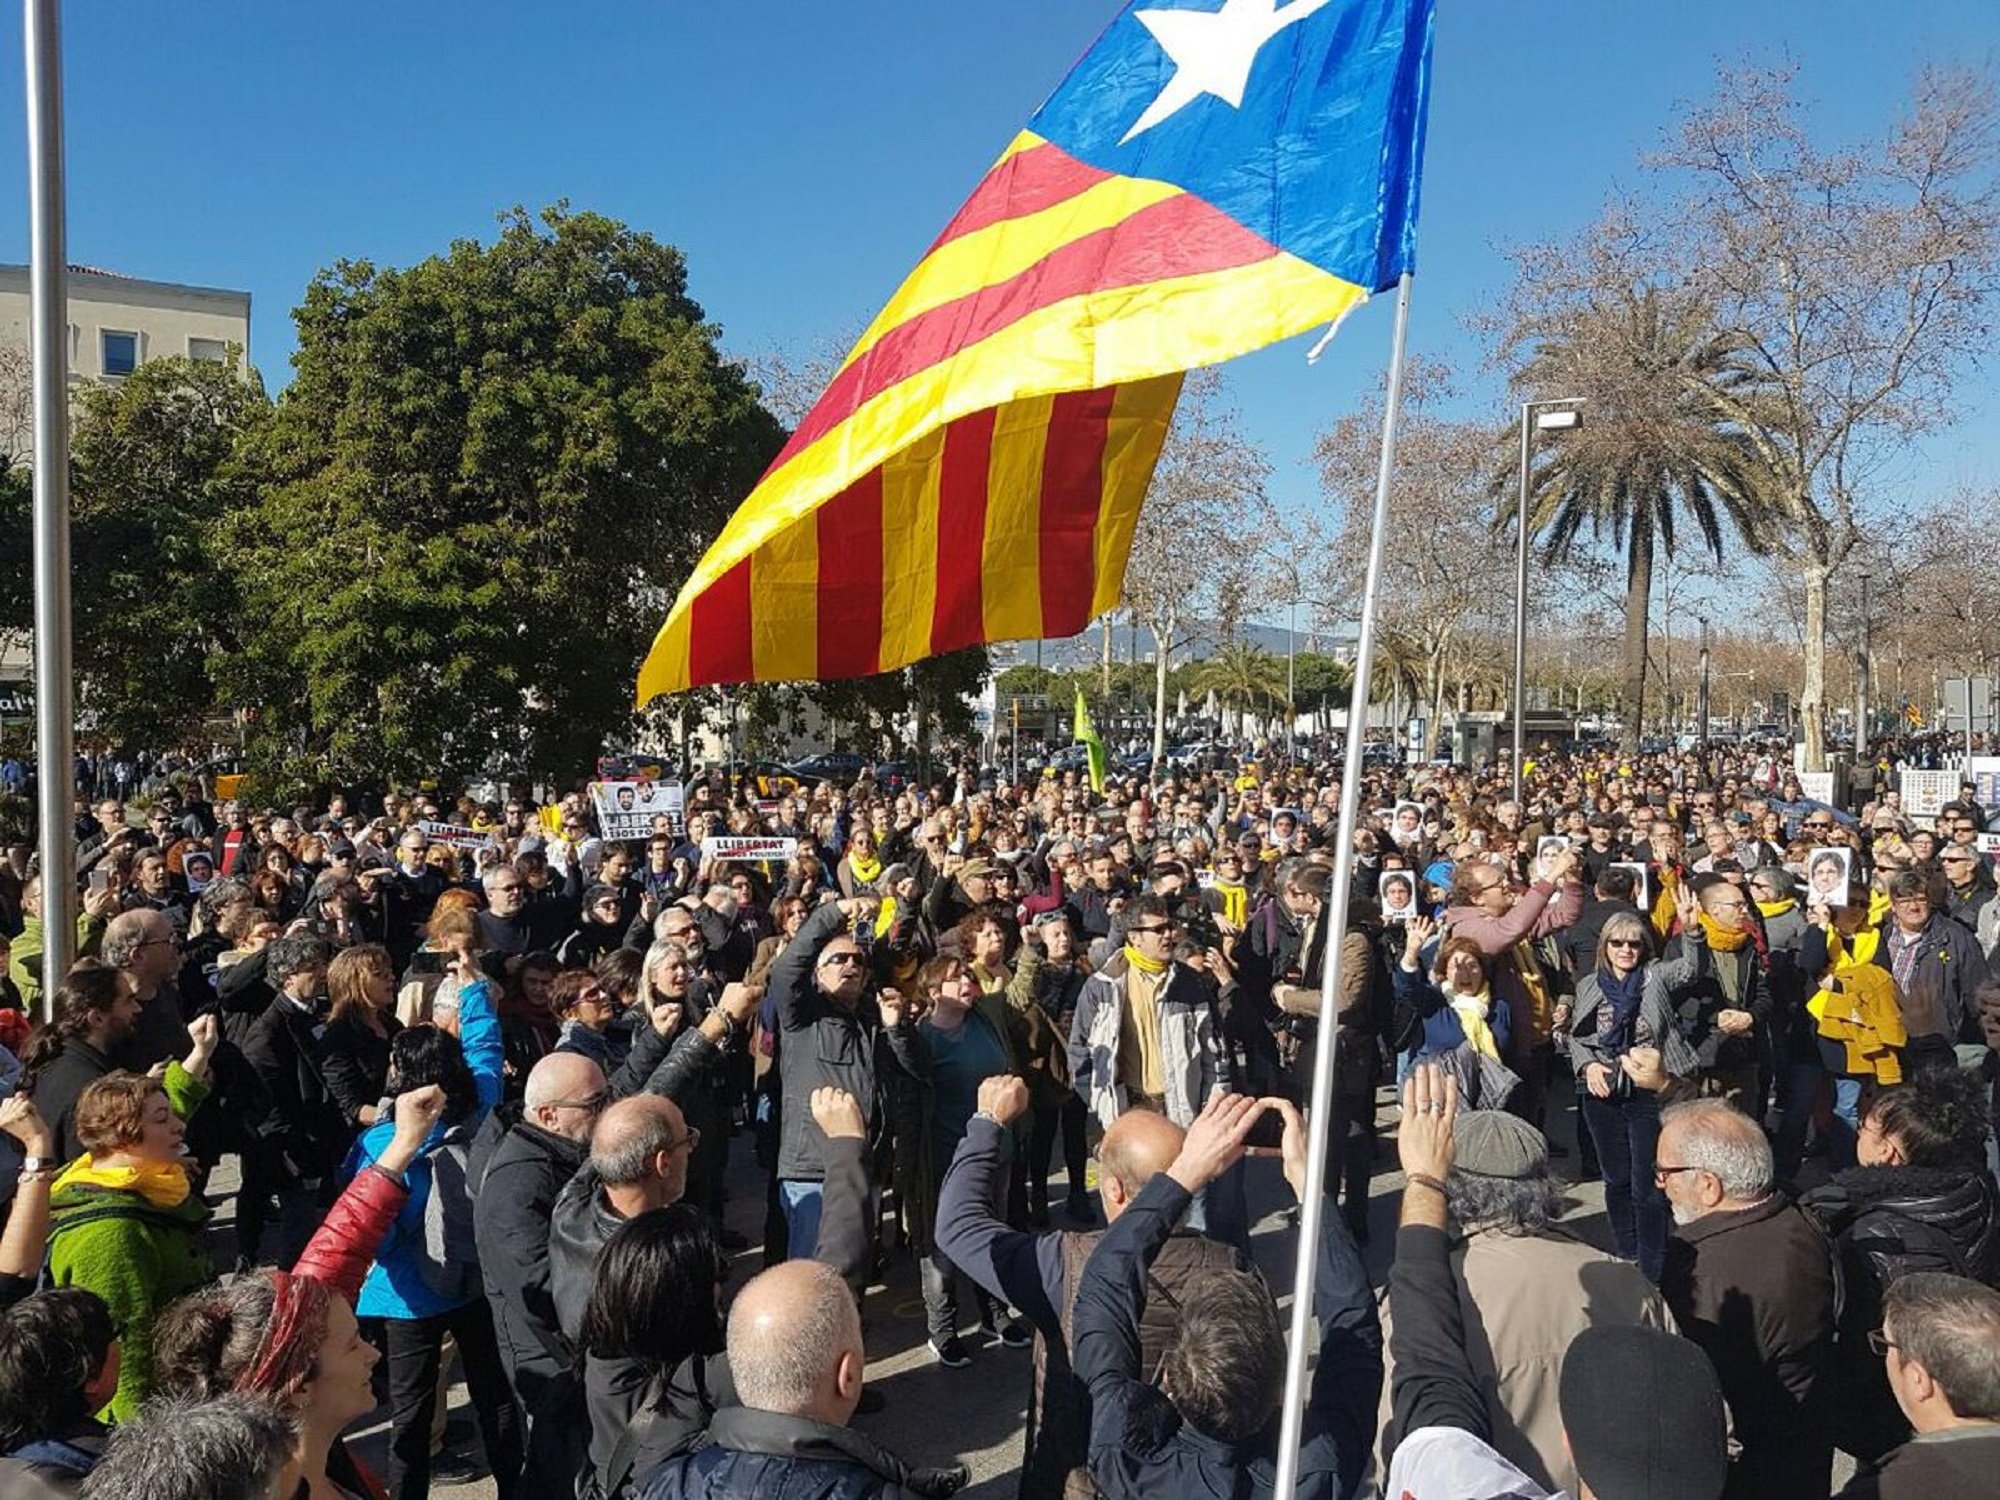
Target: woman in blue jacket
[425,1280]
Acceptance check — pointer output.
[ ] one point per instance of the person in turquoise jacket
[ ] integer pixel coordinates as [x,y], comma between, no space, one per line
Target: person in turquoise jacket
[425,1280]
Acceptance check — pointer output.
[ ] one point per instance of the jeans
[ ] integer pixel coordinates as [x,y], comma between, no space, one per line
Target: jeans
[1846,1123]
[802,1203]
[1627,1131]
[414,1346]
[1221,1210]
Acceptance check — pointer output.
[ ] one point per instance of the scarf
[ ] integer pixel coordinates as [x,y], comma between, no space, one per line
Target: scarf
[1472,1011]
[990,980]
[1145,965]
[866,871]
[885,918]
[1723,939]
[1623,996]
[1770,909]
[164,1184]
[1235,904]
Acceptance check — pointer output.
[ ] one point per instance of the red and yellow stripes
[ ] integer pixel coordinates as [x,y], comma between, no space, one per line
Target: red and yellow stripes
[975,469]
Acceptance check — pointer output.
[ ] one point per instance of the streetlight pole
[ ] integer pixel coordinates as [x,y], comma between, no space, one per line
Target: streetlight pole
[1291,673]
[1543,416]
[1861,665]
[1701,698]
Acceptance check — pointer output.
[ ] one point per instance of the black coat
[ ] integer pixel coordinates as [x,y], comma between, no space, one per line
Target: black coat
[520,1170]
[302,1123]
[1756,1289]
[60,1084]
[754,1455]
[355,1063]
[1888,1222]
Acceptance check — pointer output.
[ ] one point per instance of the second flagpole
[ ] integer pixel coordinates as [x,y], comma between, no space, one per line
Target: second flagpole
[1320,1144]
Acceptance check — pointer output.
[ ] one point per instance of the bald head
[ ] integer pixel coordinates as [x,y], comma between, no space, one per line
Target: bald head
[558,1094]
[1137,1148]
[795,1343]
[639,1150]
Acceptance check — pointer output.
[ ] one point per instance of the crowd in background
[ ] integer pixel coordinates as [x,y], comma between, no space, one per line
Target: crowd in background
[481,1092]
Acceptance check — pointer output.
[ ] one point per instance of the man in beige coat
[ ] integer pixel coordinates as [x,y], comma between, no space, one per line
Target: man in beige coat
[1526,1288]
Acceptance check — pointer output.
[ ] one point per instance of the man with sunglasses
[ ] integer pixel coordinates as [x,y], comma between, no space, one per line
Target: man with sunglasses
[831,1033]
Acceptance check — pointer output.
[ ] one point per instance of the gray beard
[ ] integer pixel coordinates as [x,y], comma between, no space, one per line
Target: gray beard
[1685,1215]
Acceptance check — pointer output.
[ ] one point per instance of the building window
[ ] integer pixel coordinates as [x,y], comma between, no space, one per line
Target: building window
[121,352]
[209,351]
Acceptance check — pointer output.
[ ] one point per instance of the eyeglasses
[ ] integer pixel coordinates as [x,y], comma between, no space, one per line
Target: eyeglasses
[1879,1343]
[691,1140]
[841,960]
[1818,827]
[1624,942]
[1661,1174]
[590,1104]
[1153,927]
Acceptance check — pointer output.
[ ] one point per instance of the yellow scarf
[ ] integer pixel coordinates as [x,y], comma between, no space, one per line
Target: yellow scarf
[1235,903]
[990,980]
[867,871]
[1472,1011]
[1142,963]
[885,917]
[164,1184]
[1770,909]
[1723,939]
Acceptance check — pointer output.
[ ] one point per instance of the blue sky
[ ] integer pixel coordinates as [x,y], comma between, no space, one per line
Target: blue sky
[803,155]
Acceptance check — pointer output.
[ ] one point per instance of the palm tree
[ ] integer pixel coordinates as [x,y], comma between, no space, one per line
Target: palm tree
[1660,445]
[1241,675]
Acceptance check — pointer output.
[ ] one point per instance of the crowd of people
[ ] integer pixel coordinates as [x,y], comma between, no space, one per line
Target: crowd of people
[480,1070]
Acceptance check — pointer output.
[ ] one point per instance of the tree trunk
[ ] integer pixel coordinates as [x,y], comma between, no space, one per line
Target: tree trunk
[1812,700]
[1160,693]
[1638,599]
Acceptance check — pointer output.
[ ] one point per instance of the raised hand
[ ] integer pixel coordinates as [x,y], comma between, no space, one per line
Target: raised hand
[20,1119]
[1423,1138]
[838,1114]
[1216,1139]
[1004,1097]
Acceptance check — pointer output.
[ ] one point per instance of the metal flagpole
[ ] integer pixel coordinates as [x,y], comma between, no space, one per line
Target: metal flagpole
[1318,1133]
[48,333]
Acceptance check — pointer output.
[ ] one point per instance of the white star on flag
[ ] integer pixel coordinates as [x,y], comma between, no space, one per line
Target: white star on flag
[1213,51]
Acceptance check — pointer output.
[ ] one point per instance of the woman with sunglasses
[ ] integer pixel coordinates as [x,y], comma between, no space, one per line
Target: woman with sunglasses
[1622,1003]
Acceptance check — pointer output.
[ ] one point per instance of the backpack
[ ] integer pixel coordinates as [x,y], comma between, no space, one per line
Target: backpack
[450,1260]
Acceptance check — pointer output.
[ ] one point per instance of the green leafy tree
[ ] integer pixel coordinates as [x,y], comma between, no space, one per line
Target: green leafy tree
[489,477]
[153,474]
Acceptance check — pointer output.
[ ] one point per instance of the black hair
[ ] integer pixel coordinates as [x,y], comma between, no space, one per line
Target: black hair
[423,1055]
[1937,1119]
[51,1346]
[653,1295]
[92,986]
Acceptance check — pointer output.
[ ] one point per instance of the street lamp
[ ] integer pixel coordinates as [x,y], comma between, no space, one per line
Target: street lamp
[1861,664]
[1702,727]
[1536,416]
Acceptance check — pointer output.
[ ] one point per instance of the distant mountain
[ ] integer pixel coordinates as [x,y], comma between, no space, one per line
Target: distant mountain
[1087,649]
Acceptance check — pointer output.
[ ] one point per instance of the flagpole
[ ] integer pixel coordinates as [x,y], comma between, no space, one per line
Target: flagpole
[48,318]
[1333,920]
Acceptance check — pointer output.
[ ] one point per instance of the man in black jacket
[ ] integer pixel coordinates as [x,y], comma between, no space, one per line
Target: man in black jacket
[1226,1371]
[524,1155]
[302,1133]
[1751,1279]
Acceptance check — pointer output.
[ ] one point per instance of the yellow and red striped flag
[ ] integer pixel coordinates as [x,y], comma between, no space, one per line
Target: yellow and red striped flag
[1206,181]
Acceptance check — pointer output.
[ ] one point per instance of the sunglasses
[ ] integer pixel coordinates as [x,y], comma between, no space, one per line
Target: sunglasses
[839,960]
[1624,942]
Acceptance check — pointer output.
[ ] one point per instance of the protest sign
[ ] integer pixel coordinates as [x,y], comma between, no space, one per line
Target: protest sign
[1924,792]
[626,809]
[745,848]
[454,835]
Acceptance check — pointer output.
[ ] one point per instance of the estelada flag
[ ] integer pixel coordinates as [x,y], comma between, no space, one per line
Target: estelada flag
[1210,178]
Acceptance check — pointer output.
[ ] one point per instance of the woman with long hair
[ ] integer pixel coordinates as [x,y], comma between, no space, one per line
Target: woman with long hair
[652,1344]
[1623,1003]
[125,1220]
[354,1047]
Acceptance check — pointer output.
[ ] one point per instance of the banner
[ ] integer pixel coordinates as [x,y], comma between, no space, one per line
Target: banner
[1924,792]
[626,809]
[454,835]
[742,848]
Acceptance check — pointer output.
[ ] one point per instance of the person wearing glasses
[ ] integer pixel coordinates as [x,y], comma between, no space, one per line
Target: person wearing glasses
[830,1033]
[1624,1003]
[1751,1280]
[1724,1010]
[145,946]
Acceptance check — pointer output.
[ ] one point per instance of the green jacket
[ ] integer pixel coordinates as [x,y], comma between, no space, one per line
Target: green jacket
[135,1255]
[24,964]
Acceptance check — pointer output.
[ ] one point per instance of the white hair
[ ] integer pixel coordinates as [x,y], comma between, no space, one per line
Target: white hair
[1717,1137]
